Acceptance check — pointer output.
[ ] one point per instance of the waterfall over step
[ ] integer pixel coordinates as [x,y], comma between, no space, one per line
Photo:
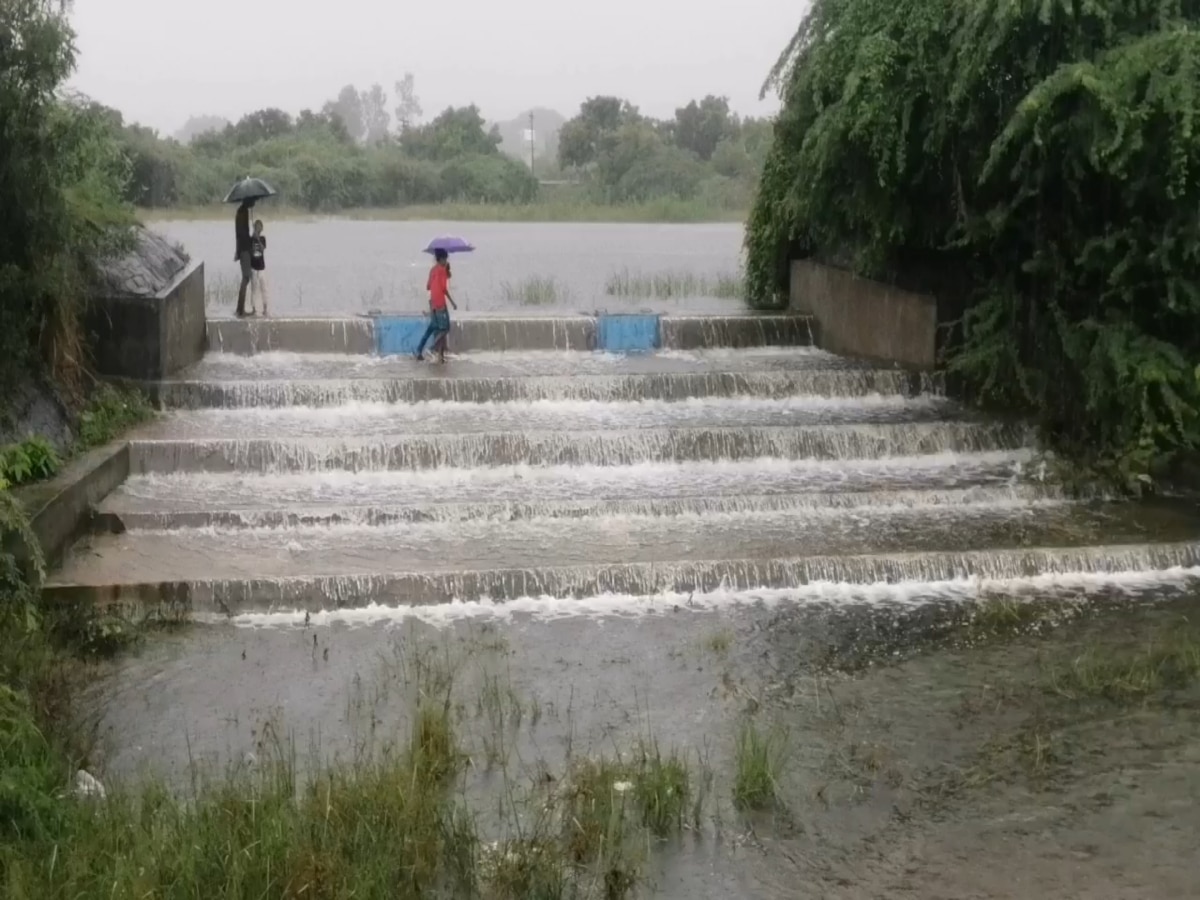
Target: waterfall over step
[306,465]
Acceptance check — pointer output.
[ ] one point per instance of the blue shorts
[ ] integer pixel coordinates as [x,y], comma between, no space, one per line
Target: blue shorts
[439,319]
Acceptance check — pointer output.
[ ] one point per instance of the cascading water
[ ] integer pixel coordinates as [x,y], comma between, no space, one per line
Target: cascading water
[341,480]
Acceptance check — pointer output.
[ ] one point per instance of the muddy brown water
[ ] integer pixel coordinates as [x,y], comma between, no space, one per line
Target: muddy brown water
[925,758]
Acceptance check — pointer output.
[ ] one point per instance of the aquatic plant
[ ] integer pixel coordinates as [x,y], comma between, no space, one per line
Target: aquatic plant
[760,758]
[674,285]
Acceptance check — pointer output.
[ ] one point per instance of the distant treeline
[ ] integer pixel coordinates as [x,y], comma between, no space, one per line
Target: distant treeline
[354,154]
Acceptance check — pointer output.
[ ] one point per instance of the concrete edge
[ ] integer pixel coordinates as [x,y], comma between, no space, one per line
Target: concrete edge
[59,510]
[390,334]
[180,277]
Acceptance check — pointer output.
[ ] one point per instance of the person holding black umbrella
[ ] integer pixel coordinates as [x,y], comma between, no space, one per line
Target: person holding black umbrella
[245,193]
[241,256]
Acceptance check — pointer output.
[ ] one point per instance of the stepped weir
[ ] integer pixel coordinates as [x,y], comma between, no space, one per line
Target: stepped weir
[312,464]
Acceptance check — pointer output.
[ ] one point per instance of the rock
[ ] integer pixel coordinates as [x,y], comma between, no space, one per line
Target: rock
[87,785]
[31,408]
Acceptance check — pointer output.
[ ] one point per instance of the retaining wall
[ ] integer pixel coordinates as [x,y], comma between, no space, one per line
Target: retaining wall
[59,510]
[149,337]
[858,317]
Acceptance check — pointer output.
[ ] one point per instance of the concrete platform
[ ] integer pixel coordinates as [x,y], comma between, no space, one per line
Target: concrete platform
[472,333]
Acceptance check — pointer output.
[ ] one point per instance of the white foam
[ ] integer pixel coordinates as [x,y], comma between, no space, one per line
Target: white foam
[141,485]
[353,412]
[543,527]
[912,594]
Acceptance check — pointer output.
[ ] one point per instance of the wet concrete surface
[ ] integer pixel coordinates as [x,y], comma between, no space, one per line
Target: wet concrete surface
[908,769]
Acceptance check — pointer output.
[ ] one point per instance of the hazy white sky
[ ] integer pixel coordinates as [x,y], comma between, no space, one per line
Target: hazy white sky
[161,61]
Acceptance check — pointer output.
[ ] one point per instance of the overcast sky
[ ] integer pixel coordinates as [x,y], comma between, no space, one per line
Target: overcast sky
[161,61]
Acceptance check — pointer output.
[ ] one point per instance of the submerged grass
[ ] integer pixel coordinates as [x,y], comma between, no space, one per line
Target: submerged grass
[536,290]
[1169,660]
[674,285]
[760,758]
[388,823]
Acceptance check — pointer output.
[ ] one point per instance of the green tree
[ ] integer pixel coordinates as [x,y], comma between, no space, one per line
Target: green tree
[456,132]
[260,125]
[377,121]
[1034,166]
[581,139]
[348,108]
[61,178]
[408,106]
[700,127]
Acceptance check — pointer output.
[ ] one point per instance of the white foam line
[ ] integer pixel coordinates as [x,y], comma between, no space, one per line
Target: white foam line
[910,594]
[602,519]
[644,470]
[356,410]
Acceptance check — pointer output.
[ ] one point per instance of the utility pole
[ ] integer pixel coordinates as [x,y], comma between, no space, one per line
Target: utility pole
[531,144]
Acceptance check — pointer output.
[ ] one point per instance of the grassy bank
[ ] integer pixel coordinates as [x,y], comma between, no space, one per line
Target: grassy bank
[390,822]
[662,211]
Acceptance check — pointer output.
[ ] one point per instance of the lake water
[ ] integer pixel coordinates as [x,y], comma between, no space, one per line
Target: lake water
[341,266]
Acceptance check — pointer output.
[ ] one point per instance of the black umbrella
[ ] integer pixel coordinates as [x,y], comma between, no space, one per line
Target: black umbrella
[249,189]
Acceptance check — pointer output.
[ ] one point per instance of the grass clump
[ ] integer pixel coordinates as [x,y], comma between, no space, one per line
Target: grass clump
[719,642]
[1170,660]
[662,787]
[759,759]
[385,828]
[110,412]
[530,869]
[674,285]
[537,290]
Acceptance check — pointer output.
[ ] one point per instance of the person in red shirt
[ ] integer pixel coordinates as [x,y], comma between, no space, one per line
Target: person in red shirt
[438,285]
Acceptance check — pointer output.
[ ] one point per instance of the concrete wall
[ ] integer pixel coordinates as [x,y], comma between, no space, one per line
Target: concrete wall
[59,509]
[149,337]
[858,317]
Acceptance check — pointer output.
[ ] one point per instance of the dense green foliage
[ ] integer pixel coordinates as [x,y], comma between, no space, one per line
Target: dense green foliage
[110,411]
[705,152]
[349,155]
[31,460]
[61,177]
[1034,165]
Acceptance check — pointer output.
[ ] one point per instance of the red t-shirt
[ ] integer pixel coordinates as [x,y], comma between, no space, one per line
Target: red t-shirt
[437,285]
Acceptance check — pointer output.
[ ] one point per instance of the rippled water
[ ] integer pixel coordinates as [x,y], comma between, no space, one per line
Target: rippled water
[341,266]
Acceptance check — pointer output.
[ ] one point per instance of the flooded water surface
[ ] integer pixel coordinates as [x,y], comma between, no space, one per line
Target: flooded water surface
[331,266]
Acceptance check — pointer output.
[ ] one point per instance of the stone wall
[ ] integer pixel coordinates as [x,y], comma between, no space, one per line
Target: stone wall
[146,318]
[858,317]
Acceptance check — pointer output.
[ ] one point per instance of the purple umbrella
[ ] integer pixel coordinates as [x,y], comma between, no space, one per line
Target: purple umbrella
[449,244]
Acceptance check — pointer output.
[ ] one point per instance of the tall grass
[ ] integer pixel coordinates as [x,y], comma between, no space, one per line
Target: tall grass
[536,290]
[760,758]
[388,823]
[674,285]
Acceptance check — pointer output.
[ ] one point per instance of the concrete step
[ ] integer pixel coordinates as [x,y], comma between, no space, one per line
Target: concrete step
[607,447]
[365,420]
[322,568]
[475,332]
[523,491]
